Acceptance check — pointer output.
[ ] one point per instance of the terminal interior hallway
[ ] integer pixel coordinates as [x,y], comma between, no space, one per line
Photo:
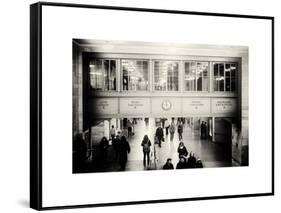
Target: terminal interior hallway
[212,154]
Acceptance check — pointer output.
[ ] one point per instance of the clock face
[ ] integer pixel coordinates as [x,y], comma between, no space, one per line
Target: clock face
[166,105]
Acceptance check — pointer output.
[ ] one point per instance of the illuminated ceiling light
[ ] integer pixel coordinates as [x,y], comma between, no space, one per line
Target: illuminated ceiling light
[95,73]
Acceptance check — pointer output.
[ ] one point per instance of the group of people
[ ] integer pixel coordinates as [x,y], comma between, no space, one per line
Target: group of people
[186,160]
[170,128]
[120,145]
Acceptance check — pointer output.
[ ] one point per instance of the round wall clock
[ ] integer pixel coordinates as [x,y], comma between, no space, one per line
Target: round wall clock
[166,105]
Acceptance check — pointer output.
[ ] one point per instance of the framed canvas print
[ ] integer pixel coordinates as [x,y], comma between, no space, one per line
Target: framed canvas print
[135,105]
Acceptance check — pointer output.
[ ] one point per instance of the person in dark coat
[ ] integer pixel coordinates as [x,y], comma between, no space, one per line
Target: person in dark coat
[146,150]
[167,125]
[80,151]
[191,162]
[104,144]
[205,130]
[159,134]
[115,145]
[199,164]
[130,128]
[146,121]
[202,130]
[182,163]
[180,130]
[124,149]
[168,165]
[182,150]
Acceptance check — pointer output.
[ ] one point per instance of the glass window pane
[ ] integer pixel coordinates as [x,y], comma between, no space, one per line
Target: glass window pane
[96,78]
[216,76]
[125,74]
[189,76]
[112,74]
[166,75]
[173,76]
[233,69]
[141,74]
[159,77]
[202,76]
[106,74]
[205,80]
[135,75]
[227,77]
[103,74]
[199,77]
[221,73]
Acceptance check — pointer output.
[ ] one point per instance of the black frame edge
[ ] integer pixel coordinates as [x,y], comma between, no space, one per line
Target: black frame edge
[273,103]
[157,201]
[35,108]
[36,105]
[140,9]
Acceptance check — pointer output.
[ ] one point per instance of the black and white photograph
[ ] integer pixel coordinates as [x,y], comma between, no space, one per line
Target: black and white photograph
[140,105]
[151,106]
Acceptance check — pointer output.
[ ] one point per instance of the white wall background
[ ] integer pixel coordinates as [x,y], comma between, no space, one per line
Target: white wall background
[14,111]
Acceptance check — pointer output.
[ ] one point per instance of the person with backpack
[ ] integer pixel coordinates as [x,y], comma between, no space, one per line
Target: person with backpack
[146,150]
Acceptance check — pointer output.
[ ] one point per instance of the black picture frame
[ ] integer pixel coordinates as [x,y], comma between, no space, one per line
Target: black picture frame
[36,103]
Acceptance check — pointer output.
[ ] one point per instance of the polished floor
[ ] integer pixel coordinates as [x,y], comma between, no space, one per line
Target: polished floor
[212,154]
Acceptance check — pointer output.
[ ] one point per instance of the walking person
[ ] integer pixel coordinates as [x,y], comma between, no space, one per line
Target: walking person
[146,144]
[124,150]
[146,121]
[202,130]
[112,132]
[104,144]
[115,145]
[205,130]
[172,130]
[130,128]
[167,125]
[183,122]
[180,130]
[159,134]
